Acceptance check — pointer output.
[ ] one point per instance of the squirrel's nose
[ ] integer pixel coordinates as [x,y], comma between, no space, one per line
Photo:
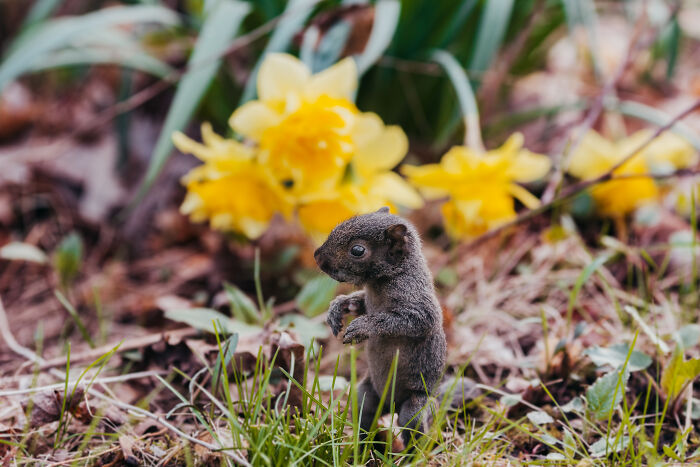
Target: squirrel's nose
[319,259]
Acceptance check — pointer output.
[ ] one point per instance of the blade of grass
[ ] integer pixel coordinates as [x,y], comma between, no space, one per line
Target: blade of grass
[386,18]
[76,317]
[220,26]
[465,95]
[39,43]
[294,16]
[41,10]
[580,281]
[490,33]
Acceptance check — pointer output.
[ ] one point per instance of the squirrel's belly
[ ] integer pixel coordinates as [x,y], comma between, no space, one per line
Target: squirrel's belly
[420,362]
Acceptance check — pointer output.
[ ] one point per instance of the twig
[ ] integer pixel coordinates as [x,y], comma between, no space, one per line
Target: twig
[6,333]
[593,115]
[73,383]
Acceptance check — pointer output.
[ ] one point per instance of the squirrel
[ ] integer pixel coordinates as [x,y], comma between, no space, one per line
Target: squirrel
[397,310]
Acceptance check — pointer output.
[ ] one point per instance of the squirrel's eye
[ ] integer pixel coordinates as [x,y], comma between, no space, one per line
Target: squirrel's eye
[357,250]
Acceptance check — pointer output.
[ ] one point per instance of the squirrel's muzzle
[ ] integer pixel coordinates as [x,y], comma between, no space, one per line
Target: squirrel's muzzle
[318,257]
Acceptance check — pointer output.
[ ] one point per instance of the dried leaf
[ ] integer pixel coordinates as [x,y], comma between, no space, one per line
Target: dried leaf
[17,251]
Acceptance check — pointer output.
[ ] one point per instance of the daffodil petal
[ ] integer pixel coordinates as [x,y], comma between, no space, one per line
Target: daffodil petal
[209,138]
[429,178]
[521,194]
[512,145]
[253,118]
[319,218]
[251,228]
[189,146]
[669,149]
[367,127]
[339,80]
[391,186]
[593,157]
[383,152]
[528,166]
[281,74]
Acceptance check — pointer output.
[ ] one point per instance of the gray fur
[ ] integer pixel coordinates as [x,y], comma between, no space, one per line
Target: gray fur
[397,310]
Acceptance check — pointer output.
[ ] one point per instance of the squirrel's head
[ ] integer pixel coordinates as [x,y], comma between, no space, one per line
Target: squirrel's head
[368,247]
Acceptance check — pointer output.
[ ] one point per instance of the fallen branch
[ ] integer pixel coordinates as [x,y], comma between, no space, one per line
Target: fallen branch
[73,383]
[124,346]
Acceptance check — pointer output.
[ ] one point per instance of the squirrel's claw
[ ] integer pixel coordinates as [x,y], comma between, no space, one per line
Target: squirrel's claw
[335,324]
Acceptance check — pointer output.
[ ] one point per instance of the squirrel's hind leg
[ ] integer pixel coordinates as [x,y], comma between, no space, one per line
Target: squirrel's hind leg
[368,400]
[411,418]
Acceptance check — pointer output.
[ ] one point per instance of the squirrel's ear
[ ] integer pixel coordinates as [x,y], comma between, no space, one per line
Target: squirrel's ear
[384,210]
[397,237]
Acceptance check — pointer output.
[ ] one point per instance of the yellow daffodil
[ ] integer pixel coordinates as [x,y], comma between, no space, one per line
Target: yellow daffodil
[231,189]
[368,183]
[307,147]
[481,187]
[596,155]
[308,129]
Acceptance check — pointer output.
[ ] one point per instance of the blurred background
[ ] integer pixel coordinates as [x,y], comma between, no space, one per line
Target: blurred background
[91,93]
[111,227]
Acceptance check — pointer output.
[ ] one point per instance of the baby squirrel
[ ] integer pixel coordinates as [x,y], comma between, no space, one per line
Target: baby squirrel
[397,311]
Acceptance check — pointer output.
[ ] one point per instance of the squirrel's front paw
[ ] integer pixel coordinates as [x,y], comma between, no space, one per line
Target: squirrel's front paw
[357,331]
[335,321]
[338,308]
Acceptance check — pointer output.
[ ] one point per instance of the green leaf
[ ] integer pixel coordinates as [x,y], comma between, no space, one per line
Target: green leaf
[308,331]
[538,417]
[447,276]
[574,405]
[326,383]
[68,258]
[582,12]
[688,336]
[678,373]
[204,319]
[308,44]
[38,43]
[292,20]
[490,33]
[583,277]
[465,96]
[616,355]
[569,444]
[220,26]
[509,400]
[331,46]
[242,307]
[671,453]
[41,10]
[386,18]
[128,58]
[314,298]
[76,317]
[606,393]
[18,251]
[606,446]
